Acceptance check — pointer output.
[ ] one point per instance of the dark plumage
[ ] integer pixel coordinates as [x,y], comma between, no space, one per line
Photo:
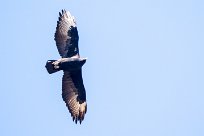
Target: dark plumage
[73,91]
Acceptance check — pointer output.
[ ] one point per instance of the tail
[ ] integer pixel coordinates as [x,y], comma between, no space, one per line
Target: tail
[50,67]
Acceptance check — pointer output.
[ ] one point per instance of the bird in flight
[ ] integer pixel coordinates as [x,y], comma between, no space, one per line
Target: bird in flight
[73,91]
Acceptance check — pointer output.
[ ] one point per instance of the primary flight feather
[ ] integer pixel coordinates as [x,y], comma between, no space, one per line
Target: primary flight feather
[73,91]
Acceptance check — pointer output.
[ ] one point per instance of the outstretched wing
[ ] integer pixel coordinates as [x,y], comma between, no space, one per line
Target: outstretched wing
[74,95]
[66,35]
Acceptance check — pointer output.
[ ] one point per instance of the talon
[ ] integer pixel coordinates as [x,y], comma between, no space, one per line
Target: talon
[56,64]
[56,67]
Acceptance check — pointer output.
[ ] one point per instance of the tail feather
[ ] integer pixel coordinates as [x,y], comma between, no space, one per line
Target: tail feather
[50,67]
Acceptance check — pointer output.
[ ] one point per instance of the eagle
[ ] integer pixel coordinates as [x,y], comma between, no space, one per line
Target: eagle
[73,90]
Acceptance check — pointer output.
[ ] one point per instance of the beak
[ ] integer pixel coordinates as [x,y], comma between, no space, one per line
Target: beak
[84,58]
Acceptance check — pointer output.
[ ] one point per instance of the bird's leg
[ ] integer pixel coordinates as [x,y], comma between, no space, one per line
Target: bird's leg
[57,62]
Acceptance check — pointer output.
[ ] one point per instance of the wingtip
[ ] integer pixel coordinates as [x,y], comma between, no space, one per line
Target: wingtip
[79,118]
[60,14]
[63,11]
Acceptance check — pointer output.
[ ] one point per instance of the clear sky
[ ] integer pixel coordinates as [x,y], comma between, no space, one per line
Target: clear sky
[144,75]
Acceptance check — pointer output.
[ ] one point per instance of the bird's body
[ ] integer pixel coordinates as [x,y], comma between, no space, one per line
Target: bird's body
[73,91]
[67,64]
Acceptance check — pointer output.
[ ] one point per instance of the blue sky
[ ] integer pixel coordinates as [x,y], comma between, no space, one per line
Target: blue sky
[144,74]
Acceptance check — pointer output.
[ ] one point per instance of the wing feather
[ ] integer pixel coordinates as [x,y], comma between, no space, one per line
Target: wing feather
[66,35]
[74,95]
